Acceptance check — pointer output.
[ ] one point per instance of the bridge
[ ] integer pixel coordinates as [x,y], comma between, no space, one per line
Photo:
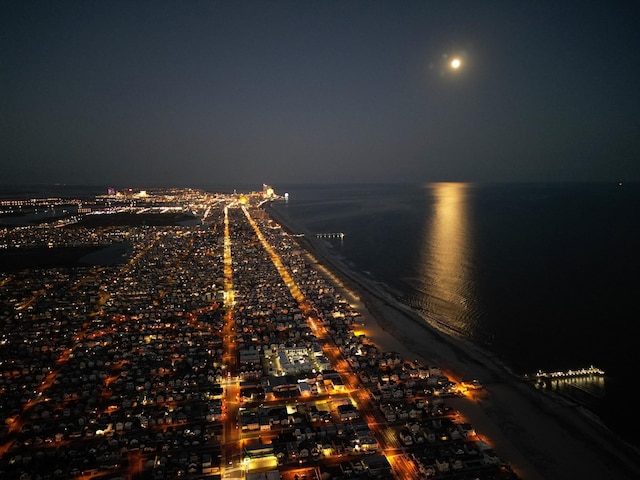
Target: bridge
[339,235]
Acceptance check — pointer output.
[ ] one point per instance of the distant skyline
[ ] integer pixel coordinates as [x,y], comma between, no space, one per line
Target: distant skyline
[179,93]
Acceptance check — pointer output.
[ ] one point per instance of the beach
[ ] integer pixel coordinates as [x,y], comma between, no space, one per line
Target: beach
[542,436]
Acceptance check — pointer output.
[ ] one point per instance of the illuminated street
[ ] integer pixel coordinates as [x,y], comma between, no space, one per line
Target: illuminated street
[222,348]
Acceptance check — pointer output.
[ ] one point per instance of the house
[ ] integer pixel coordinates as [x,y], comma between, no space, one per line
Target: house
[347,412]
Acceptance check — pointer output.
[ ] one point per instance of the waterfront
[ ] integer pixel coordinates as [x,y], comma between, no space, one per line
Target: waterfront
[159,303]
[544,435]
[209,349]
[541,276]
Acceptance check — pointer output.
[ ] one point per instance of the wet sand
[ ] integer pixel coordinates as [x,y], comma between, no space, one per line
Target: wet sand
[543,437]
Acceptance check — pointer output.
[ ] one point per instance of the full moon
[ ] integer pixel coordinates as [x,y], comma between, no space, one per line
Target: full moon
[455,63]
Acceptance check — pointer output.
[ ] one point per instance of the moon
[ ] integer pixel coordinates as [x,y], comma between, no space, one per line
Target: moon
[456,63]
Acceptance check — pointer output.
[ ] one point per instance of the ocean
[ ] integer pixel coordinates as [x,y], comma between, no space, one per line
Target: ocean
[543,276]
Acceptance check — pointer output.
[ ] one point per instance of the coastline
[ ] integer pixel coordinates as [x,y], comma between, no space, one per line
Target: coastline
[542,436]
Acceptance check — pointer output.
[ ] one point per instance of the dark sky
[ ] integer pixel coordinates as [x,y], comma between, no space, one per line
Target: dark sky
[182,93]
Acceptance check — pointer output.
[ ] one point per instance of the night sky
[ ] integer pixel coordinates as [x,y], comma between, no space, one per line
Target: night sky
[190,93]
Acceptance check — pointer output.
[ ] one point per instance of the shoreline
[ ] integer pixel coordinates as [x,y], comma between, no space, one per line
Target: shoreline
[541,435]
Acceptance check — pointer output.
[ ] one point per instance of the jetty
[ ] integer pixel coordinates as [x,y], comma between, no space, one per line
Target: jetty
[339,235]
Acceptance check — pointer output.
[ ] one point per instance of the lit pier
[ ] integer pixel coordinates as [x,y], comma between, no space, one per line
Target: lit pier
[339,235]
[583,372]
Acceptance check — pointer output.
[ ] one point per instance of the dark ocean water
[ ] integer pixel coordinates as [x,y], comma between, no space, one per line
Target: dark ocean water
[545,276]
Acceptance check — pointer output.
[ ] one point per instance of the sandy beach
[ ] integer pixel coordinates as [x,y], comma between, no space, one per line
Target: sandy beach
[542,437]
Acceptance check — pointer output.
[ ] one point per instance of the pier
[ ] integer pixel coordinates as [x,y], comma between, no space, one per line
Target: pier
[585,386]
[582,372]
[339,235]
